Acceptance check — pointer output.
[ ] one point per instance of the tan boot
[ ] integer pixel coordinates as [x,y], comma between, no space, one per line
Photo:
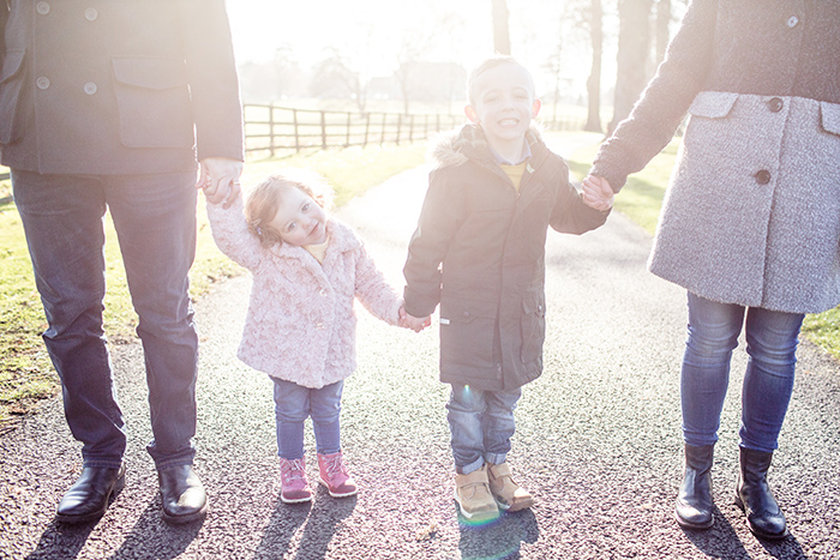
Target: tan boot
[508,494]
[472,493]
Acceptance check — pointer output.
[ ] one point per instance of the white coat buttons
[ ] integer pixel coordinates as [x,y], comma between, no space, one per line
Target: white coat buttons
[792,21]
[91,14]
[42,8]
[42,82]
[90,88]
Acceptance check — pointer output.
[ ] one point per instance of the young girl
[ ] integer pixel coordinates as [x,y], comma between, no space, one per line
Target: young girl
[300,327]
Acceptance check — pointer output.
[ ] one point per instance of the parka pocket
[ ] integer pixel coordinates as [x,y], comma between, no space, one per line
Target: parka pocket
[533,329]
[830,117]
[153,102]
[712,104]
[11,83]
[467,333]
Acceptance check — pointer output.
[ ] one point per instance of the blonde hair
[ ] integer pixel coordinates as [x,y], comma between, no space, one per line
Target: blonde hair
[488,64]
[265,199]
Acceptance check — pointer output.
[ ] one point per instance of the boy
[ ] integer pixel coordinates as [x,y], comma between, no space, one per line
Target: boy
[479,251]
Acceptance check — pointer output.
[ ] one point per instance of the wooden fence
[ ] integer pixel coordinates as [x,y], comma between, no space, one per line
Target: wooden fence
[275,131]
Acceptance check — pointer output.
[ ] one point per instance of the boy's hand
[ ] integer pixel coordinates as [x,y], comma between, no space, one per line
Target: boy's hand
[416,324]
[597,193]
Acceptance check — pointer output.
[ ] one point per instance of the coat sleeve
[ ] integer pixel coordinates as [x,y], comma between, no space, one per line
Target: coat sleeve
[231,234]
[440,218]
[663,104]
[214,86]
[373,290]
[572,215]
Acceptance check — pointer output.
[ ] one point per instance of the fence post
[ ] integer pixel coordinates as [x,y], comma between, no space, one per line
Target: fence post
[271,130]
[347,138]
[411,129]
[426,125]
[437,122]
[297,134]
[323,130]
[382,139]
[367,129]
[399,127]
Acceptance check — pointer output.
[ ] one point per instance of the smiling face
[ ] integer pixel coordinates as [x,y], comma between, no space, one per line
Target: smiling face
[299,219]
[502,102]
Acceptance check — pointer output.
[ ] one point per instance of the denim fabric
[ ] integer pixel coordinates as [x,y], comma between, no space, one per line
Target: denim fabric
[481,424]
[293,404]
[713,330]
[154,216]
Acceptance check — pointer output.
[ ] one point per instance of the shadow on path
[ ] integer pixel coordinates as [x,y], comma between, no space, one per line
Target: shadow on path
[500,539]
[321,518]
[151,537]
[61,542]
[721,541]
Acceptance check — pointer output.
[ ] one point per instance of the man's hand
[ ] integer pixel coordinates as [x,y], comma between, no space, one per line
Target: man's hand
[219,179]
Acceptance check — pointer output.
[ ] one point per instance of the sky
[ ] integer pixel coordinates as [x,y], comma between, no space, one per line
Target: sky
[372,31]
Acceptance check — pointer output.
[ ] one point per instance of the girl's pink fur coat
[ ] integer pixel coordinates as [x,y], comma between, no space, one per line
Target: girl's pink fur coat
[300,325]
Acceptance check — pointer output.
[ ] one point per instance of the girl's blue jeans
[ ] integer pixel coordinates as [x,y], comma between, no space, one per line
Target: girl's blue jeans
[713,330]
[293,404]
[481,425]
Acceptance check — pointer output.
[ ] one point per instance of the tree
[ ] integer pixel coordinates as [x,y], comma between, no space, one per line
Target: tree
[663,21]
[501,33]
[593,83]
[633,49]
[333,76]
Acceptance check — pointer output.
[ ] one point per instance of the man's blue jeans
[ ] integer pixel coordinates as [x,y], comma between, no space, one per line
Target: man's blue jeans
[713,330]
[154,216]
[293,404]
[481,424]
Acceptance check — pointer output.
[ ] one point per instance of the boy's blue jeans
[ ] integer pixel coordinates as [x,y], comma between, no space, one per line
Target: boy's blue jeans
[154,216]
[481,424]
[713,330]
[293,404]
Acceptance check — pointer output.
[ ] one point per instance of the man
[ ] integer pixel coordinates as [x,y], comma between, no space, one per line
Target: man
[109,105]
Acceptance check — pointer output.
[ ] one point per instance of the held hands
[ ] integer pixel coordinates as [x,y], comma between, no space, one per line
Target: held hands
[416,324]
[597,193]
[219,179]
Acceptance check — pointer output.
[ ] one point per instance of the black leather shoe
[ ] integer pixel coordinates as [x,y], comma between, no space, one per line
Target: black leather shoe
[182,494]
[694,501]
[764,517]
[90,495]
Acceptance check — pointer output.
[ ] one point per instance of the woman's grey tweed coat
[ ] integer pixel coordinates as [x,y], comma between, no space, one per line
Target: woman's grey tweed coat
[752,215]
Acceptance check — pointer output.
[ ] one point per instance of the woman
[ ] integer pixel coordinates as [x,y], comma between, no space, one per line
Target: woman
[751,221]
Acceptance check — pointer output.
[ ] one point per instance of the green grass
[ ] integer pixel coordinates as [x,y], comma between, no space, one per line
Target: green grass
[26,374]
[641,200]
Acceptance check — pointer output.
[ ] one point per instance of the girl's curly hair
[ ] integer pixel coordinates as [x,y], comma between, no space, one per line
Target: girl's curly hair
[265,199]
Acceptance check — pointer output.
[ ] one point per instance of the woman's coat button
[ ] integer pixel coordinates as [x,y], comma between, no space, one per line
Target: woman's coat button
[762,177]
[775,104]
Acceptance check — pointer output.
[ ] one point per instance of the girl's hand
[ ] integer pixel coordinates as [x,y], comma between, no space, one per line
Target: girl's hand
[597,193]
[416,324]
[219,179]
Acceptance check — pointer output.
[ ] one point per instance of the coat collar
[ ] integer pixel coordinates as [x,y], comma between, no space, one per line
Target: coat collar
[469,143]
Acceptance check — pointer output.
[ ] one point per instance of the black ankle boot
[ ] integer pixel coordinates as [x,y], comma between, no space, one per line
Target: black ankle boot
[753,496]
[694,501]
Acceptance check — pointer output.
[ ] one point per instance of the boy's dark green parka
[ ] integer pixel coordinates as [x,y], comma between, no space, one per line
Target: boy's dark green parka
[479,251]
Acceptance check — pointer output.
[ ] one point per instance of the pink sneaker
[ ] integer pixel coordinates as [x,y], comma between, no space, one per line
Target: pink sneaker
[293,486]
[335,477]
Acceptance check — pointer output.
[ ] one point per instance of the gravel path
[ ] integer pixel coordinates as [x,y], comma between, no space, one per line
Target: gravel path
[598,437]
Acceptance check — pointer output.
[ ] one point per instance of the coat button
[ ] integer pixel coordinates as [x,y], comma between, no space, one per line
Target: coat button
[762,177]
[42,8]
[775,104]
[792,21]
[42,82]
[90,88]
[91,14]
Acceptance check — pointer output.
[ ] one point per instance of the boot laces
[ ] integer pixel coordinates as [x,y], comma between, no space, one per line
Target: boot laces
[292,469]
[334,465]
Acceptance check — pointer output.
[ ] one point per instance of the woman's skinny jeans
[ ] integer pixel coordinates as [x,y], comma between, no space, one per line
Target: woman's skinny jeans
[713,330]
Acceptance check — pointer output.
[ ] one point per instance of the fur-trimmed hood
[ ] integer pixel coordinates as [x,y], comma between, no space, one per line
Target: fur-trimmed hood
[455,147]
